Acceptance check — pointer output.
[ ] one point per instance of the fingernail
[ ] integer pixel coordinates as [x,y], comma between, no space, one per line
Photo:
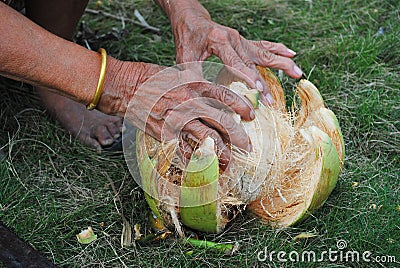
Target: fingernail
[291,51]
[252,115]
[269,98]
[259,86]
[297,70]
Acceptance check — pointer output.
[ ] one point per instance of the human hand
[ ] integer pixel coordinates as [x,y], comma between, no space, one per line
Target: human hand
[197,37]
[179,104]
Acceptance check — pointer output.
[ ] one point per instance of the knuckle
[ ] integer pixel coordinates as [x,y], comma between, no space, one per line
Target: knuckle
[237,64]
[219,35]
[268,56]
[207,132]
[265,44]
[190,127]
[249,63]
[211,133]
[234,33]
[227,121]
[258,43]
[224,97]
[212,92]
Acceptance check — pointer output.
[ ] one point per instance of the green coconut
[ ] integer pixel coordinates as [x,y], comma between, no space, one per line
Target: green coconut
[293,167]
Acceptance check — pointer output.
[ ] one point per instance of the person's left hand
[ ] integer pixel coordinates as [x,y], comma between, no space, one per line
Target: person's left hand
[197,37]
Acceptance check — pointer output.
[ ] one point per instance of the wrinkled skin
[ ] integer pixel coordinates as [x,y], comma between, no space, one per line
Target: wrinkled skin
[177,104]
[197,37]
[92,128]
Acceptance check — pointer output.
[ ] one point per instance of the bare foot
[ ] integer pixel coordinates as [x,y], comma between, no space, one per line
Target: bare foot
[92,128]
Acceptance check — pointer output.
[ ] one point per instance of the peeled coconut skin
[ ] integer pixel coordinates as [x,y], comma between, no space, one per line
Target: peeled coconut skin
[318,191]
[319,126]
[290,173]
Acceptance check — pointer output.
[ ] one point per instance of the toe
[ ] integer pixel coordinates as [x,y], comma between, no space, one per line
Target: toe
[103,135]
[89,141]
[114,126]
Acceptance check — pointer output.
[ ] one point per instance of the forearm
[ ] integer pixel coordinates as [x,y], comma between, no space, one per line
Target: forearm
[175,9]
[31,54]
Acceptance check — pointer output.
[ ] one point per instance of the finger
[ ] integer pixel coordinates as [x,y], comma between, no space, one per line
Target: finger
[234,55]
[236,43]
[230,57]
[209,109]
[249,74]
[197,131]
[266,58]
[274,55]
[229,129]
[185,149]
[227,76]
[229,98]
[261,85]
[276,48]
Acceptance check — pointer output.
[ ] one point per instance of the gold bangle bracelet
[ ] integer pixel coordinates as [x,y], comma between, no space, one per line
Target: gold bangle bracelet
[100,83]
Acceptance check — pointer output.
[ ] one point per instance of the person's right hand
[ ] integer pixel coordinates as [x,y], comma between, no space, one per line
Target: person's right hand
[177,104]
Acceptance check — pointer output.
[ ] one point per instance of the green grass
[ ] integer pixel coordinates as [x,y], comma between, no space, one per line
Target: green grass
[52,187]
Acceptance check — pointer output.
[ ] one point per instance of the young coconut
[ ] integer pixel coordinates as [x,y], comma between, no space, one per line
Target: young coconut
[308,164]
[292,169]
